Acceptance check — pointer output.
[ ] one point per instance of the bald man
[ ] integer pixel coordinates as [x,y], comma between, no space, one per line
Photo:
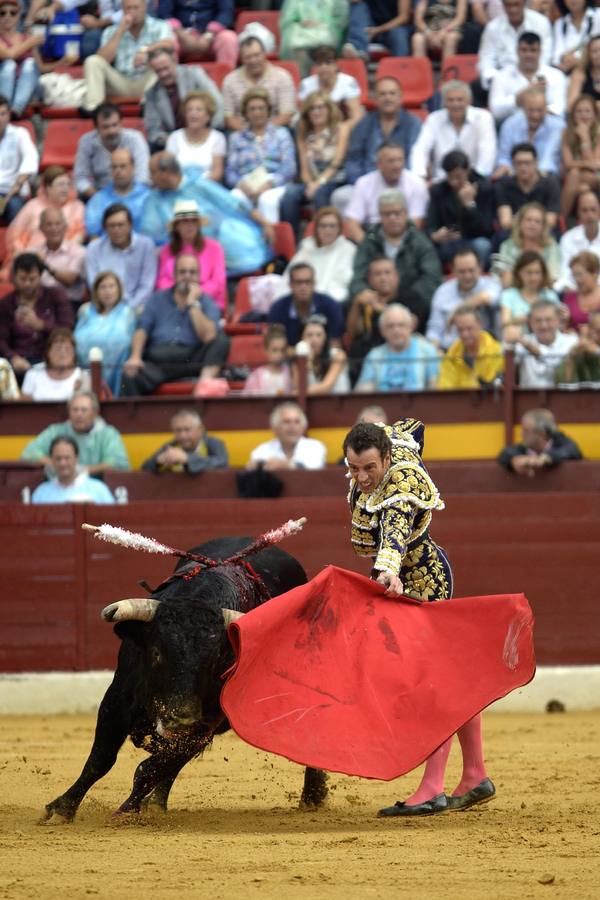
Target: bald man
[123,188]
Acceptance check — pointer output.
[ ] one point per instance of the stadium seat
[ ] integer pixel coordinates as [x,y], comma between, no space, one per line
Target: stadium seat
[60,143]
[285,242]
[247,350]
[215,70]
[290,66]
[241,305]
[462,66]
[174,389]
[135,122]
[268,18]
[415,75]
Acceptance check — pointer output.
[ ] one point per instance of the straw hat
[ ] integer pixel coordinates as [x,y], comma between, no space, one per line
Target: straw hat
[185,209]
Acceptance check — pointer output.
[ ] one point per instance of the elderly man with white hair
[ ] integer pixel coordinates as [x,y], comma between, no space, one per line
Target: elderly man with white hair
[406,362]
[458,126]
[289,449]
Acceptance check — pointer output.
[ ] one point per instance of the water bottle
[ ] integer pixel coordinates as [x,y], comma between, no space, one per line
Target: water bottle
[121,494]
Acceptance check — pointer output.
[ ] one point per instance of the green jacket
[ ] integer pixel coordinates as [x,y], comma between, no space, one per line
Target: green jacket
[101,444]
[416,261]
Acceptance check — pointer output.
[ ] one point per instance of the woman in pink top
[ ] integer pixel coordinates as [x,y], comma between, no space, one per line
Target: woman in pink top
[586,299]
[187,237]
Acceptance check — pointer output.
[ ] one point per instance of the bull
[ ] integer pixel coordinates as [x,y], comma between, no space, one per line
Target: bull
[165,694]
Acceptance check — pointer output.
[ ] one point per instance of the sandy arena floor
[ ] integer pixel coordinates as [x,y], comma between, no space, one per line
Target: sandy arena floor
[234,830]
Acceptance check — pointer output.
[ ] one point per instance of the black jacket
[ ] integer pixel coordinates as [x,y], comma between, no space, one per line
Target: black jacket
[445,209]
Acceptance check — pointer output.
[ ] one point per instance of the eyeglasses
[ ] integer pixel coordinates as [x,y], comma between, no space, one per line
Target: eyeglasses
[9,12]
[318,106]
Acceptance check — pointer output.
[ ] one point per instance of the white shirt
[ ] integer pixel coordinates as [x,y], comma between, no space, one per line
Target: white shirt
[568,38]
[18,156]
[445,300]
[507,82]
[38,385]
[498,47]
[333,266]
[200,155]
[308,453]
[363,206]
[346,87]
[438,136]
[540,371]
[573,242]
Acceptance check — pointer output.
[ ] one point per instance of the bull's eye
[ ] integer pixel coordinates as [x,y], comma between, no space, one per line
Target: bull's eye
[155,657]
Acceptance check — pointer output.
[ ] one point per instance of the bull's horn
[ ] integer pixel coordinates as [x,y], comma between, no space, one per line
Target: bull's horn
[230,615]
[141,609]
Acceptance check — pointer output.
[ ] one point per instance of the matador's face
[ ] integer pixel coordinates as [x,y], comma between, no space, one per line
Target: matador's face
[368,468]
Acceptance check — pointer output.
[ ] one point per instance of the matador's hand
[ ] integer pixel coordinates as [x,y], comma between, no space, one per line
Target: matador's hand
[392,583]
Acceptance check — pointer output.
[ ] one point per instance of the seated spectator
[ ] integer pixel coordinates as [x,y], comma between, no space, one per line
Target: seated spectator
[383,289]
[120,67]
[330,254]
[190,449]
[256,72]
[55,192]
[106,322]
[585,77]
[531,283]
[322,141]
[387,22]
[580,149]
[405,362]
[260,161]
[372,415]
[275,377]
[531,123]
[59,376]
[64,260]
[100,445]
[293,310]
[19,59]
[129,255]
[92,169]
[498,47]
[122,189]
[69,484]
[527,185]
[397,238]
[586,299]
[304,28]
[460,213]
[475,360]
[186,237]
[540,353]
[509,82]
[530,232]
[289,449]
[198,143]
[206,28]
[578,20]
[327,367]
[542,445]
[438,27]
[585,236]
[108,12]
[467,289]
[459,126]
[581,366]
[388,123]
[163,99]
[29,313]
[243,234]
[9,388]
[391,175]
[177,335]
[343,89]
[19,161]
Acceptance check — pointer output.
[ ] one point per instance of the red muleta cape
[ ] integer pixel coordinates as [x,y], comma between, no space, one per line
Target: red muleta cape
[335,675]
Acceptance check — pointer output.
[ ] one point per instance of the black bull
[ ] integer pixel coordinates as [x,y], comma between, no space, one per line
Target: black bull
[166,688]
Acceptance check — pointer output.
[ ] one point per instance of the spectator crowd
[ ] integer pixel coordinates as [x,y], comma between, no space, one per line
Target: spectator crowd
[408,246]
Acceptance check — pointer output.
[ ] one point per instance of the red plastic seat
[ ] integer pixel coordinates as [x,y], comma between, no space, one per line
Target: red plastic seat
[415,75]
[174,389]
[268,18]
[290,66]
[462,66]
[215,70]
[285,242]
[247,350]
[241,305]
[60,143]
[135,122]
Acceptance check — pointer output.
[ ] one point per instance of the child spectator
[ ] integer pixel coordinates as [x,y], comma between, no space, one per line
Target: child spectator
[275,377]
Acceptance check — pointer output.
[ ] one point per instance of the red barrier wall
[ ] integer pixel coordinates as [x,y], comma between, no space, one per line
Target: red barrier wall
[56,578]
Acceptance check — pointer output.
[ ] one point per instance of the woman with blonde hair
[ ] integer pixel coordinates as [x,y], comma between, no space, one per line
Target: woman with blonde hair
[530,231]
[322,142]
[198,144]
[580,151]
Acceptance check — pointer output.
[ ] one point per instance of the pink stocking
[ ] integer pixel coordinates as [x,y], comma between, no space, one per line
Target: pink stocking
[471,745]
[432,782]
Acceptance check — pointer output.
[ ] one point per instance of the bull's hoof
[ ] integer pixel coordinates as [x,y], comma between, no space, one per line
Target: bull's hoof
[315,790]
[153,807]
[54,817]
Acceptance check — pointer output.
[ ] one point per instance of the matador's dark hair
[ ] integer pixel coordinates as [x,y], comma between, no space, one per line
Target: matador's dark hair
[364,436]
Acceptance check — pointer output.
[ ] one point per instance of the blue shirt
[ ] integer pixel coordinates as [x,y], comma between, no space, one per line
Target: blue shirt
[102,199]
[136,266]
[515,130]
[367,137]
[84,489]
[406,370]
[284,312]
[165,323]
